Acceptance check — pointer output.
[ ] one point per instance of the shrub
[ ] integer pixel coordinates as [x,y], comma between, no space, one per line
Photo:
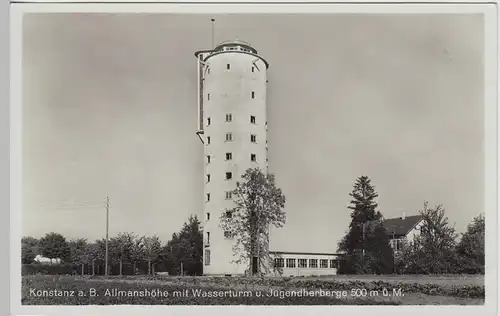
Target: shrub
[56,269]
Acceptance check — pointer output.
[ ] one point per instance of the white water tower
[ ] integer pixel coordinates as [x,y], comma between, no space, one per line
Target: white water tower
[232,125]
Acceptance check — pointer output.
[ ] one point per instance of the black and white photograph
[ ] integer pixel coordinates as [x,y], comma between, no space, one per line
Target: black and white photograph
[266,158]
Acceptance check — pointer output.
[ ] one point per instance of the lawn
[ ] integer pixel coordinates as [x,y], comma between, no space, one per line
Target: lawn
[338,290]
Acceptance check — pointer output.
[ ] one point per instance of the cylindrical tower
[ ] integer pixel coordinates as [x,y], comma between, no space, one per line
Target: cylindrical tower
[232,125]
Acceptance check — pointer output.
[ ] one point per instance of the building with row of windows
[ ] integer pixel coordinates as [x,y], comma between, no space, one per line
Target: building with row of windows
[304,263]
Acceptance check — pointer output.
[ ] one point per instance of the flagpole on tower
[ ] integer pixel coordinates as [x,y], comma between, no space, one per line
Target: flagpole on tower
[213,24]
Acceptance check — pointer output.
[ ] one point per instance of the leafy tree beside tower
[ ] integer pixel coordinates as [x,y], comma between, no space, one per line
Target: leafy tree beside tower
[259,204]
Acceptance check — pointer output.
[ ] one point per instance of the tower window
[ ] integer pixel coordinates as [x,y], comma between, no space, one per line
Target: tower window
[302,263]
[333,263]
[208,70]
[208,238]
[229,195]
[229,156]
[208,197]
[253,157]
[253,138]
[208,140]
[208,159]
[228,66]
[208,216]
[279,262]
[208,96]
[229,117]
[253,94]
[313,263]
[252,119]
[207,257]
[208,178]
[229,137]
[253,69]
[229,175]
[323,263]
[208,121]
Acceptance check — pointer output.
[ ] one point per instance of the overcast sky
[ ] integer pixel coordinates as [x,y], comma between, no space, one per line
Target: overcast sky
[110,110]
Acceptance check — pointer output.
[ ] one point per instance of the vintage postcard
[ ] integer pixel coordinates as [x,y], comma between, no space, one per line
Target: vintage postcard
[268,154]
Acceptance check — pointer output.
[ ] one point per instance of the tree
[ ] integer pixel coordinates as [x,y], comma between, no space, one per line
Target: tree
[137,251]
[78,252]
[470,249]
[366,245]
[152,251]
[186,248]
[121,247]
[433,250]
[93,254]
[29,249]
[54,246]
[258,203]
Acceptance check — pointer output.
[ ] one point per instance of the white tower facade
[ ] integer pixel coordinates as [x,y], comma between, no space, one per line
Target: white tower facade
[232,124]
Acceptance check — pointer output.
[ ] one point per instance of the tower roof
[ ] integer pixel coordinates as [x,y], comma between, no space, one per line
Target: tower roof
[235,42]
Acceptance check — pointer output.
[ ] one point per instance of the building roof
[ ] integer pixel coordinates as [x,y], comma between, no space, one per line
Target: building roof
[399,226]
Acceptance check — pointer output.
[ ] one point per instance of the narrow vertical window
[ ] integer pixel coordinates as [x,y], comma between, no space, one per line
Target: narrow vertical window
[208,178]
[229,117]
[208,121]
[208,238]
[229,175]
[208,159]
[228,195]
[253,94]
[229,137]
[253,138]
[253,157]
[208,96]
[208,140]
[253,69]
[207,257]
[208,197]
[252,119]
[229,156]
[228,66]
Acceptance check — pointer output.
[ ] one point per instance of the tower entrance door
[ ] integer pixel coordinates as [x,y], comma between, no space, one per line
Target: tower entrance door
[255,265]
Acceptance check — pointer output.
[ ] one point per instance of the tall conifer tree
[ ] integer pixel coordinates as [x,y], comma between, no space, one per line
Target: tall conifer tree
[366,245]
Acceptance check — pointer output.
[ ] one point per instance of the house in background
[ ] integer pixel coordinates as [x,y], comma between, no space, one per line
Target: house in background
[400,228]
[44,260]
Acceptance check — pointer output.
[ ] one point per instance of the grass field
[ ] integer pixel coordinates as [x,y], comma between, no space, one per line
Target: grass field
[334,290]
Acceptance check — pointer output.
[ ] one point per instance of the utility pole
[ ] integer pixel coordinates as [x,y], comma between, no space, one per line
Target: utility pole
[107,236]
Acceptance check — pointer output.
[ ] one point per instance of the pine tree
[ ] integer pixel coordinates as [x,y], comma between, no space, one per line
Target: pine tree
[366,244]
